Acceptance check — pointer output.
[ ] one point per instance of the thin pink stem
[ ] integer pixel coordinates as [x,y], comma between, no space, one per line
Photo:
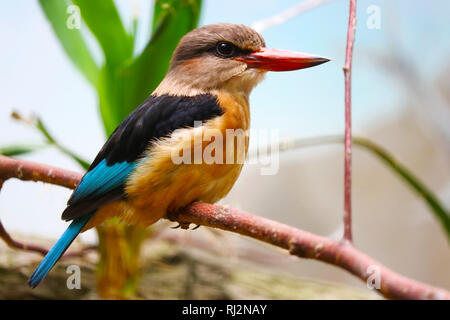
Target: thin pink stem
[348,124]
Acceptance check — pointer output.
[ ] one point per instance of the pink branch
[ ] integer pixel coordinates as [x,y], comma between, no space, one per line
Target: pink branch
[348,123]
[298,242]
[25,170]
[286,15]
[15,244]
[307,245]
[19,245]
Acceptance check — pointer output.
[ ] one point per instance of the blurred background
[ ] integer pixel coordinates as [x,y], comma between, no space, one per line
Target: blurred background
[401,101]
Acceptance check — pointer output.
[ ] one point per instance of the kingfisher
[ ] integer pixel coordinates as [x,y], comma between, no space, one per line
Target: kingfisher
[206,89]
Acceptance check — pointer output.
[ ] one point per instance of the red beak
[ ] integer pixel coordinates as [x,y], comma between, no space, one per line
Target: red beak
[280,60]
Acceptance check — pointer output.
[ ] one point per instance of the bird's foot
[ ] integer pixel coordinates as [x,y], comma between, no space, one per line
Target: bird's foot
[173,216]
[185,226]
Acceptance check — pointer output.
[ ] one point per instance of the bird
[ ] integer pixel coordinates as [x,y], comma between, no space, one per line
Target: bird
[205,92]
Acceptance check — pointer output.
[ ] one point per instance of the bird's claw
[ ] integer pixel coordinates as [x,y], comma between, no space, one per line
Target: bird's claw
[185,226]
[172,216]
[182,225]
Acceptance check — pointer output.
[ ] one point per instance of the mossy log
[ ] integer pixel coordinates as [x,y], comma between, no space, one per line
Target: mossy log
[169,271]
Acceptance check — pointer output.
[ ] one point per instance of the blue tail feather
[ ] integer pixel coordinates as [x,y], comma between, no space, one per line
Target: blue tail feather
[58,249]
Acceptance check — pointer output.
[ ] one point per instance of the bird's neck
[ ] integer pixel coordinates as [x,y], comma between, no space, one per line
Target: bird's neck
[182,86]
[176,86]
[232,99]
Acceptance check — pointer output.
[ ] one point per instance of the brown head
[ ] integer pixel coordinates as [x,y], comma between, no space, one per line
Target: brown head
[226,56]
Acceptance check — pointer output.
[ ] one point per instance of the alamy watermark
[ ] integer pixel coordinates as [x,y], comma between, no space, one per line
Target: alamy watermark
[74,19]
[212,146]
[374,19]
[74,280]
[374,279]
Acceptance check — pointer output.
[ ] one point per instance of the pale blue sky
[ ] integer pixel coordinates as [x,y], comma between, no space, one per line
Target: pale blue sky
[36,76]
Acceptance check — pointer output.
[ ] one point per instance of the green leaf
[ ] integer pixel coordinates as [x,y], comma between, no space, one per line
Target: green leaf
[172,20]
[440,212]
[19,149]
[134,29]
[72,41]
[436,207]
[36,123]
[104,21]
[110,99]
[51,141]
[124,89]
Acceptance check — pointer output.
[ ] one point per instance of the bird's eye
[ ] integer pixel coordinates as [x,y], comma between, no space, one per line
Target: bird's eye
[225,49]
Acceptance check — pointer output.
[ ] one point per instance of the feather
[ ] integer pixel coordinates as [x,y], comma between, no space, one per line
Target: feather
[102,178]
[58,250]
[100,186]
[155,118]
[104,182]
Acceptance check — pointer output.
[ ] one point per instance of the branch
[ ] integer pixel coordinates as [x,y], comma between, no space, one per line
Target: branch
[298,242]
[411,180]
[348,123]
[19,245]
[29,171]
[15,244]
[307,245]
[287,14]
[32,171]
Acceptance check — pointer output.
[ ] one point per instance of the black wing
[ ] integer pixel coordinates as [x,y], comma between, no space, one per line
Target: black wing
[157,117]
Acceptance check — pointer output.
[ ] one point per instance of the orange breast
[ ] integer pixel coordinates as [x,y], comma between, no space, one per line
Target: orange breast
[162,183]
